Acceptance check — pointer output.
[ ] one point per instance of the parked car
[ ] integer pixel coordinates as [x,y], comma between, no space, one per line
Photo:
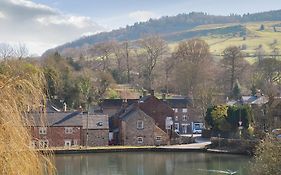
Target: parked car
[197,127]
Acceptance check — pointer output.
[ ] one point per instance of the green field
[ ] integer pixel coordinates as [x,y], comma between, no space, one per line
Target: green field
[268,38]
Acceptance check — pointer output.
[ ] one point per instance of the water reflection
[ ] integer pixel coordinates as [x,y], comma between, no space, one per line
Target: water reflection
[150,163]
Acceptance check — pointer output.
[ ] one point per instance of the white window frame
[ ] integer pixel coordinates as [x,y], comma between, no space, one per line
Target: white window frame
[177,127]
[75,142]
[140,124]
[42,130]
[43,144]
[175,109]
[184,110]
[158,138]
[68,130]
[184,118]
[67,143]
[140,140]
[176,118]
[184,125]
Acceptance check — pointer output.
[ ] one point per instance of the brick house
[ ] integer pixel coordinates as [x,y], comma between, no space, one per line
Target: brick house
[136,128]
[112,106]
[56,130]
[156,109]
[66,129]
[98,130]
[182,118]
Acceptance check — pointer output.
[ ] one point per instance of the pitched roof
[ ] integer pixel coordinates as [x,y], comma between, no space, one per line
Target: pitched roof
[132,109]
[248,99]
[56,119]
[116,102]
[178,103]
[95,121]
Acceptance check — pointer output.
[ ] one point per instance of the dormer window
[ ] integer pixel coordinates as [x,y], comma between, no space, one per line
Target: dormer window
[100,124]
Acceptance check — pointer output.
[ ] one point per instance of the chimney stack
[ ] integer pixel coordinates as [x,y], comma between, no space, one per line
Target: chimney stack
[64,107]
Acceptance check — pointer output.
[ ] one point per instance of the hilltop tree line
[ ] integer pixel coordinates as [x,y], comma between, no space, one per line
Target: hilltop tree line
[171,24]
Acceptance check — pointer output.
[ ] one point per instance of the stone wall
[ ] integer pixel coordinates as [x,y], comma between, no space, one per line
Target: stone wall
[130,132]
[96,137]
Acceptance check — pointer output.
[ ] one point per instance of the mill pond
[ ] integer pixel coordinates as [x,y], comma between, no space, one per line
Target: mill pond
[152,163]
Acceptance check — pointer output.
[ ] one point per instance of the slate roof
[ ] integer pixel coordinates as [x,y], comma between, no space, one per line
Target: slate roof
[116,102]
[69,119]
[178,103]
[131,110]
[95,121]
[56,119]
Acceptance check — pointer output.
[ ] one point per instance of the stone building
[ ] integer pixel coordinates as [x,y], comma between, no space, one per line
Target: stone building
[136,128]
[98,130]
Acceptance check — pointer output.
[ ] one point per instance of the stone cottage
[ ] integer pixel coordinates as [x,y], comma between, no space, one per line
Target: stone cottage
[137,128]
[98,130]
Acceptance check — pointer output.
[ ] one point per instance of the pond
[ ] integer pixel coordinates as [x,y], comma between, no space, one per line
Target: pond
[151,163]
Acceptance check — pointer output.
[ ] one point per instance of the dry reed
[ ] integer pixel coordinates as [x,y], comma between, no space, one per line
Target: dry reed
[21,89]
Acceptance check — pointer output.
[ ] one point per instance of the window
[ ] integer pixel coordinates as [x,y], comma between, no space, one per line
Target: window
[176,118]
[67,143]
[33,144]
[184,110]
[99,123]
[184,117]
[75,142]
[140,139]
[158,138]
[175,109]
[68,130]
[139,124]
[43,144]
[43,130]
[177,127]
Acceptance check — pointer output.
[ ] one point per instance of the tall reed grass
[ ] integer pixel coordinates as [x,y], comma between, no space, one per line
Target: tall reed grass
[21,90]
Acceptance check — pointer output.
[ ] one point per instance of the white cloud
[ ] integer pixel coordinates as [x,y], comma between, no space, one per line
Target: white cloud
[142,15]
[2,15]
[31,23]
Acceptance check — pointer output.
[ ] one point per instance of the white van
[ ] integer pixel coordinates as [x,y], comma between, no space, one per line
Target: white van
[197,127]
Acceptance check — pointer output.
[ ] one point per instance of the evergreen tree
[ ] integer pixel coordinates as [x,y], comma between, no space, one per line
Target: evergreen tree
[236,92]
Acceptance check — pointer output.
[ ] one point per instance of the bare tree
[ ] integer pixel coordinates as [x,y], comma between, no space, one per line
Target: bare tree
[20,51]
[234,65]
[6,51]
[122,54]
[102,51]
[154,49]
[194,62]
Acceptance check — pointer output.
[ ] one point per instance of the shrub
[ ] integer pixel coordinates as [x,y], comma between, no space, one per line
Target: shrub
[267,157]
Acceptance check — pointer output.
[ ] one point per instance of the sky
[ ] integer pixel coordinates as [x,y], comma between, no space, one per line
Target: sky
[44,24]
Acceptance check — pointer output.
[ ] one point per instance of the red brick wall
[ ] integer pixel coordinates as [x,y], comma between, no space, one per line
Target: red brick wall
[56,135]
[158,110]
